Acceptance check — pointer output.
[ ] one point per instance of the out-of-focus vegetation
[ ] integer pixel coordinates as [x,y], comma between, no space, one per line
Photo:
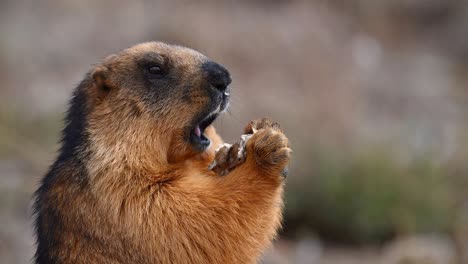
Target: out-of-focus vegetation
[370,197]
[372,95]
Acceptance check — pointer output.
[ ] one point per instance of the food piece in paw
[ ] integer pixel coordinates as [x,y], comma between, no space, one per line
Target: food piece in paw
[228,157]
[219,164]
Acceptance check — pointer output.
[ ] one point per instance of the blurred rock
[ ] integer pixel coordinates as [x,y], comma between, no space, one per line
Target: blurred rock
[461,233]
[423,249]
[308,250]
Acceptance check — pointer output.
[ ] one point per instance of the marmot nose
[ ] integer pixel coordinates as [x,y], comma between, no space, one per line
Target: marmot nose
[217,75]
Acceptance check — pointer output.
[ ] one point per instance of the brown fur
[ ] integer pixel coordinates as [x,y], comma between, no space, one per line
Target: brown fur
[147,195]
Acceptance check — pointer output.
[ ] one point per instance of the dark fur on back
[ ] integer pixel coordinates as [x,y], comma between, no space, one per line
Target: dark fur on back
[72,152]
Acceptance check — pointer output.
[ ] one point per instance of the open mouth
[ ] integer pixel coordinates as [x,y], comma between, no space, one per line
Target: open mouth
[197,136]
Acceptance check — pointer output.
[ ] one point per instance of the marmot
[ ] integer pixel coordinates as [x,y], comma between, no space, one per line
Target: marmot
[131,183]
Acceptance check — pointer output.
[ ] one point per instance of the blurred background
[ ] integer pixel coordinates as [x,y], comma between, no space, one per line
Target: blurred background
[372,94]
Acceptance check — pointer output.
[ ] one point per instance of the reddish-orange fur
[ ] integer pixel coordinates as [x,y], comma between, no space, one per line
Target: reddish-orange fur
[149,197]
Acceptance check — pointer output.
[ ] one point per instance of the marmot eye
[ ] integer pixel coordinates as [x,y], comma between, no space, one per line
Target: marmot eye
[156,70]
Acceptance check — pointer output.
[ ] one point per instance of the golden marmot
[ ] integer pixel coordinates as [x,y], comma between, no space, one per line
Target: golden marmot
[132,183]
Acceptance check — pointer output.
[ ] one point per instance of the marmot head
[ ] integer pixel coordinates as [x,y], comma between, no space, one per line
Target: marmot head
[151,98]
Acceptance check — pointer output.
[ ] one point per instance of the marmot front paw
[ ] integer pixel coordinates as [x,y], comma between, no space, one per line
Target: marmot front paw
[268,147]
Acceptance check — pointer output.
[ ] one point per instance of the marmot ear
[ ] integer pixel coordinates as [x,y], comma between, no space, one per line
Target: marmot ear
[100,78]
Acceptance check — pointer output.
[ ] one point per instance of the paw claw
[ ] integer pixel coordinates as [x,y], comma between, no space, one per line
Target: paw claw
[258,124]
